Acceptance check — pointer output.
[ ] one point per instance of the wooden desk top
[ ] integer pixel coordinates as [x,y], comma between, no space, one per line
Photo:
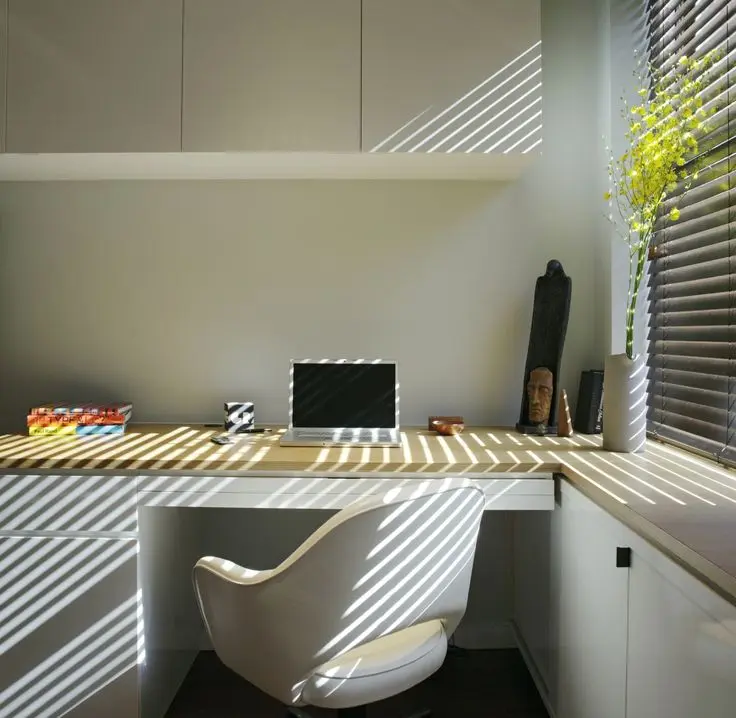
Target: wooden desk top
[684,505]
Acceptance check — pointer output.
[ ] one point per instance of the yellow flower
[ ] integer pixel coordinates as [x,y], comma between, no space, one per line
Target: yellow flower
[683,60]
[607,196]
[674,214]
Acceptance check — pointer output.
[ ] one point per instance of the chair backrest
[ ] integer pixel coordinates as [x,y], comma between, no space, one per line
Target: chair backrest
[381,565]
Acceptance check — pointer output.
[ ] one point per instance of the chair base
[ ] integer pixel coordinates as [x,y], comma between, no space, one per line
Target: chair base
[357,712]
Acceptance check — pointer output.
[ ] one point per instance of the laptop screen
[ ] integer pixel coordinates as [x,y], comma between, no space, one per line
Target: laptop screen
[354,396]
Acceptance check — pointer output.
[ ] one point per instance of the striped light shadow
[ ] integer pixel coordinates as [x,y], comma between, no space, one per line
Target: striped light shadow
[585,440]
[320,492]
[494,439]
[690,461]
[638,479]
[154,495]
[428,458]
[456,106]
[446,449]
[492,457]
[149,448]
[405,126]
[536,130]
[12,442]
[516,461]
[365,458]
[40,497]
[611,478]
[477,439]
[510,121]
[29,487]
[580,474]
[704,487]
[473,105]
[37,580]
[499,494]
[85,504]
[321,459]
[32,615]
[82,445]
[56,450]
[534,441]
[111,668]
[269,501]
[473,458]
[308,486]
[402,528]
[415,591]
[494,118]
[257,458]
[32,445]
[351,486]
[409,584]
[107,638]
[531,147]
[419,607]
[240,451]
[100,454]
[406,447]
[514,439]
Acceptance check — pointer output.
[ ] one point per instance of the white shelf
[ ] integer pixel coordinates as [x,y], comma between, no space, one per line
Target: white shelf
[263,166]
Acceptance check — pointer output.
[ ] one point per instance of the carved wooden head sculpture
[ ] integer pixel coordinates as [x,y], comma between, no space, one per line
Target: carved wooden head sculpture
[539,392]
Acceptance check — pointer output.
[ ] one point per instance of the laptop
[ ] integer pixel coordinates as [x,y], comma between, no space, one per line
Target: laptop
[343,403]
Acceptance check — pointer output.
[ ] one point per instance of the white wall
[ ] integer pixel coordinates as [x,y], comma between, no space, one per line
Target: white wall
[180,295]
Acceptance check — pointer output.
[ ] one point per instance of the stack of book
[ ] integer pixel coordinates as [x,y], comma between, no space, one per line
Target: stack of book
[67,419]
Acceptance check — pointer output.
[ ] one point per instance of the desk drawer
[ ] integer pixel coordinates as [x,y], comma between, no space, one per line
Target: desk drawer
[505,492]
[34,502]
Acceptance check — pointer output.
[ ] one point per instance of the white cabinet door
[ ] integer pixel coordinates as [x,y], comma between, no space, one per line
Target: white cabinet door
[570,605]
[682,644]
[68,628]
[94,76]
[451,76]
[534,598]
[276,75]
[588,661]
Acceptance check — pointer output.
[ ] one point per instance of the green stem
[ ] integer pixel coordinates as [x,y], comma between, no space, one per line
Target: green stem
[631,309]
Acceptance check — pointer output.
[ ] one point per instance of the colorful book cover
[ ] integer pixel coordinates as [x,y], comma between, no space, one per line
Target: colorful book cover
[123,408]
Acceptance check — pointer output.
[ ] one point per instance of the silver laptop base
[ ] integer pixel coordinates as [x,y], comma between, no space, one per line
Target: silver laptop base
[341,437]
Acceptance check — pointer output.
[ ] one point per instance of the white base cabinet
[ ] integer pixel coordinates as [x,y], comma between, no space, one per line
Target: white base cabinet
[682,643]
[647,641]
[570,606]
[69,641]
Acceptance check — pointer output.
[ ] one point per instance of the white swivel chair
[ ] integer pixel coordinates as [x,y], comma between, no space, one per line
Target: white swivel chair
[361,611]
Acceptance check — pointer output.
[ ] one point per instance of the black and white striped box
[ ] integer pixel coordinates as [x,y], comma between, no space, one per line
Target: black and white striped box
[239,416]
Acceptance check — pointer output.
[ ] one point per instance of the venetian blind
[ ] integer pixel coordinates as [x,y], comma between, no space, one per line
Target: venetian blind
[692,272]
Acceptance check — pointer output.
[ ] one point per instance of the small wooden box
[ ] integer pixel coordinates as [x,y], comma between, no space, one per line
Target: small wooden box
[444,420]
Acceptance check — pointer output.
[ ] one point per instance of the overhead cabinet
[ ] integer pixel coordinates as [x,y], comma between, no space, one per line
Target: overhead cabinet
[282,75]
[458,76]
[94,76]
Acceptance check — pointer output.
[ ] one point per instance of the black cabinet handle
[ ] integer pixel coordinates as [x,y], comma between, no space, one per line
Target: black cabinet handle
[623,557]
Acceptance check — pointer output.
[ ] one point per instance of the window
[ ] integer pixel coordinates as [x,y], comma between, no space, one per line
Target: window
[692,275]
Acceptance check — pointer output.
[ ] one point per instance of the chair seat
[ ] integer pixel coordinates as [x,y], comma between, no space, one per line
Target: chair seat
[378,669]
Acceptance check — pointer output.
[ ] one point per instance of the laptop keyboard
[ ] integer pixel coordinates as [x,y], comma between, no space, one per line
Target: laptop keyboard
[361,435]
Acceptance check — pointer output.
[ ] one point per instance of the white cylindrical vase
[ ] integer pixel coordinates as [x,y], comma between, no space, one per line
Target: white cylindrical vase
[625,403]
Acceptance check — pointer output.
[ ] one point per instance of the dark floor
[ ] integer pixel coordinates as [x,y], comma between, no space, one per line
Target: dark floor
[470,684]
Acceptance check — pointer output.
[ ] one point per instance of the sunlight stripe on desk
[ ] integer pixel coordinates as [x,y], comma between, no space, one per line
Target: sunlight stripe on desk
[608,476]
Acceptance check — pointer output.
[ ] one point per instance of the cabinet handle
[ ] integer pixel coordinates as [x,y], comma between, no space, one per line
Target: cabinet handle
[623,557]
